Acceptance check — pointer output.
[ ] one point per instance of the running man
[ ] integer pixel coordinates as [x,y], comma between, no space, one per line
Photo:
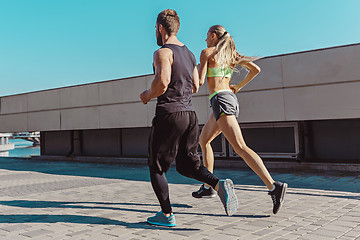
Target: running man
[175,130]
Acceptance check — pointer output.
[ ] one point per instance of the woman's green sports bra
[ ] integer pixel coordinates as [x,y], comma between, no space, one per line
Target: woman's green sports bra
[220,72]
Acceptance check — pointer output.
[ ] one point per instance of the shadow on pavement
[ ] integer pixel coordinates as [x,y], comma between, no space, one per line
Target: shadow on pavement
[43,218]
[293,191]
[326,195]
[99,205]
[95,205]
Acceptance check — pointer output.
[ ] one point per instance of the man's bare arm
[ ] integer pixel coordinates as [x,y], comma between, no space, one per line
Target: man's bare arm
[162,64]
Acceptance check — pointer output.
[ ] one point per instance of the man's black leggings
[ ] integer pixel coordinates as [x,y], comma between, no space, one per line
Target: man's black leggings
[175,136]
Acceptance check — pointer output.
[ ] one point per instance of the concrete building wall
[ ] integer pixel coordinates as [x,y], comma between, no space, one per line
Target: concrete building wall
[322,84]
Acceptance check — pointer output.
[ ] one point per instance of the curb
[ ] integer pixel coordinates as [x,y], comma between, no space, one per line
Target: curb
[218,163]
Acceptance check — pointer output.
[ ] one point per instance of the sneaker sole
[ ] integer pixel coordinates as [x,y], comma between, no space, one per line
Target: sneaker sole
[161,224]
[283,192]
[232,203]
[212,196]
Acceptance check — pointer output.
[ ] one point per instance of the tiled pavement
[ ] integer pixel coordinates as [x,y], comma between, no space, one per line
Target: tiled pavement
[63,200]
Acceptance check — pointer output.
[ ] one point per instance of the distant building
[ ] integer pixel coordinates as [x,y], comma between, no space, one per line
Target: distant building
[5,146]
[303,106]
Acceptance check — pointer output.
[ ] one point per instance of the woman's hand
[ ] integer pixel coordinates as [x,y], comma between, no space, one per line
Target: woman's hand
[254,70]
[234,88]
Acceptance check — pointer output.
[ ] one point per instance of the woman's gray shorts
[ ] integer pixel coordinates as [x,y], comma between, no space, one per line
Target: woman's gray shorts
[224,102]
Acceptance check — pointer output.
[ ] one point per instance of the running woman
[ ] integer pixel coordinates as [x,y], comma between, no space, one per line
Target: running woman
[218,62]
[175,130]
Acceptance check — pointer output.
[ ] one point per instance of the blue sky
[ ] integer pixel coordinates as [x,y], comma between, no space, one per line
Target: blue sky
[48,44]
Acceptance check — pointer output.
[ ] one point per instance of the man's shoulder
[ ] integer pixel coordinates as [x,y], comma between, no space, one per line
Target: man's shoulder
[163,53]
[163,50]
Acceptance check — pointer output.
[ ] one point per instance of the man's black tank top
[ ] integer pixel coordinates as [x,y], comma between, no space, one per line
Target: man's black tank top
[178,95]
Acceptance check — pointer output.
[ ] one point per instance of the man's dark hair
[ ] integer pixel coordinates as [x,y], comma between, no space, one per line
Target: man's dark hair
[169,20]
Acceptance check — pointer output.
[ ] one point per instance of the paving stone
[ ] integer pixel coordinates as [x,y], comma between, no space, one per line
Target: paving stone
[289,236]
[352,233]
[312,227]
[14,227]
[15,237]
[314,236]
[250,227]
[73,234]
[270,236]
[327,233]
[237,232]
[337,228]
[36,233]
[349,218]
[250,236]
[347,238]
[320,222]
[263,232]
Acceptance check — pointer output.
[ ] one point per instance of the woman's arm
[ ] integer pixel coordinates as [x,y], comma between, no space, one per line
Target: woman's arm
[195,80]
[253,71]
[203,66]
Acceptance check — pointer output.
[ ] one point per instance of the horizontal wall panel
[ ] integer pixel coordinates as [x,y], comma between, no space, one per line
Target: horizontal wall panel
[123,115]
[324,66]
[14,123]
[125,90]
[336,101]
[269,77]
[14,104]
[261,106]
[80,118]
[44,121]
[44,100]
[79,96]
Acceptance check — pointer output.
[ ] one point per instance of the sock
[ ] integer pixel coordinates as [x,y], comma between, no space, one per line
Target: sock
[206,187]
[168,213]
[272,188]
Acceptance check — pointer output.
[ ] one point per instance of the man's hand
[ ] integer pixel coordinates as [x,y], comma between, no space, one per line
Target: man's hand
[144,96]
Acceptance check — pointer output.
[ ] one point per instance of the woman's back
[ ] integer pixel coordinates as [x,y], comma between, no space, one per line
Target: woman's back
[218,78]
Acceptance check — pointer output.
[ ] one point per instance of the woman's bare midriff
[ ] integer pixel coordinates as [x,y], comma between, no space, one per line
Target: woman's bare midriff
[218,83]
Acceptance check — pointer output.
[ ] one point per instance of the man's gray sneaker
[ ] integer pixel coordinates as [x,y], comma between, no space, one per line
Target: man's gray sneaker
[204,193]
[161,220]
[277,195]
[228,197]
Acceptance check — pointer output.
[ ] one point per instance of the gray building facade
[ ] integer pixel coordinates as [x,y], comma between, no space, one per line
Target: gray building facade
[302,106]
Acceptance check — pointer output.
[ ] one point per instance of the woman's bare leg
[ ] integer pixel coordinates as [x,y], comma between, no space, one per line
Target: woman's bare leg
[231,130]
[208,133]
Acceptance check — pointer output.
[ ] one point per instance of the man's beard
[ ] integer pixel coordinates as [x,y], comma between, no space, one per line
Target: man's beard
[159,39]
